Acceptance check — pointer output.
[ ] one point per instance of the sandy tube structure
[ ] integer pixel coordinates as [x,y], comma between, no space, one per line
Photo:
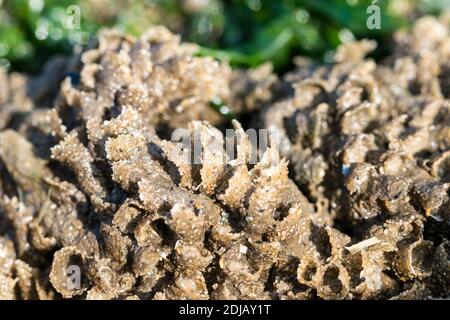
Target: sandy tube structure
[97,201]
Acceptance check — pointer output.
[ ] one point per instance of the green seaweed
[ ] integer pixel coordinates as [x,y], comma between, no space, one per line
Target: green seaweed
[247,33]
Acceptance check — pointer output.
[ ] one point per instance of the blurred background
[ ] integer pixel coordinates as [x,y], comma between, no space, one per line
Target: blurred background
[245,32]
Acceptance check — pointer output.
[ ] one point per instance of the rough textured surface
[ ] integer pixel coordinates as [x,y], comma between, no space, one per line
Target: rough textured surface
[91,183]
[368,145]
